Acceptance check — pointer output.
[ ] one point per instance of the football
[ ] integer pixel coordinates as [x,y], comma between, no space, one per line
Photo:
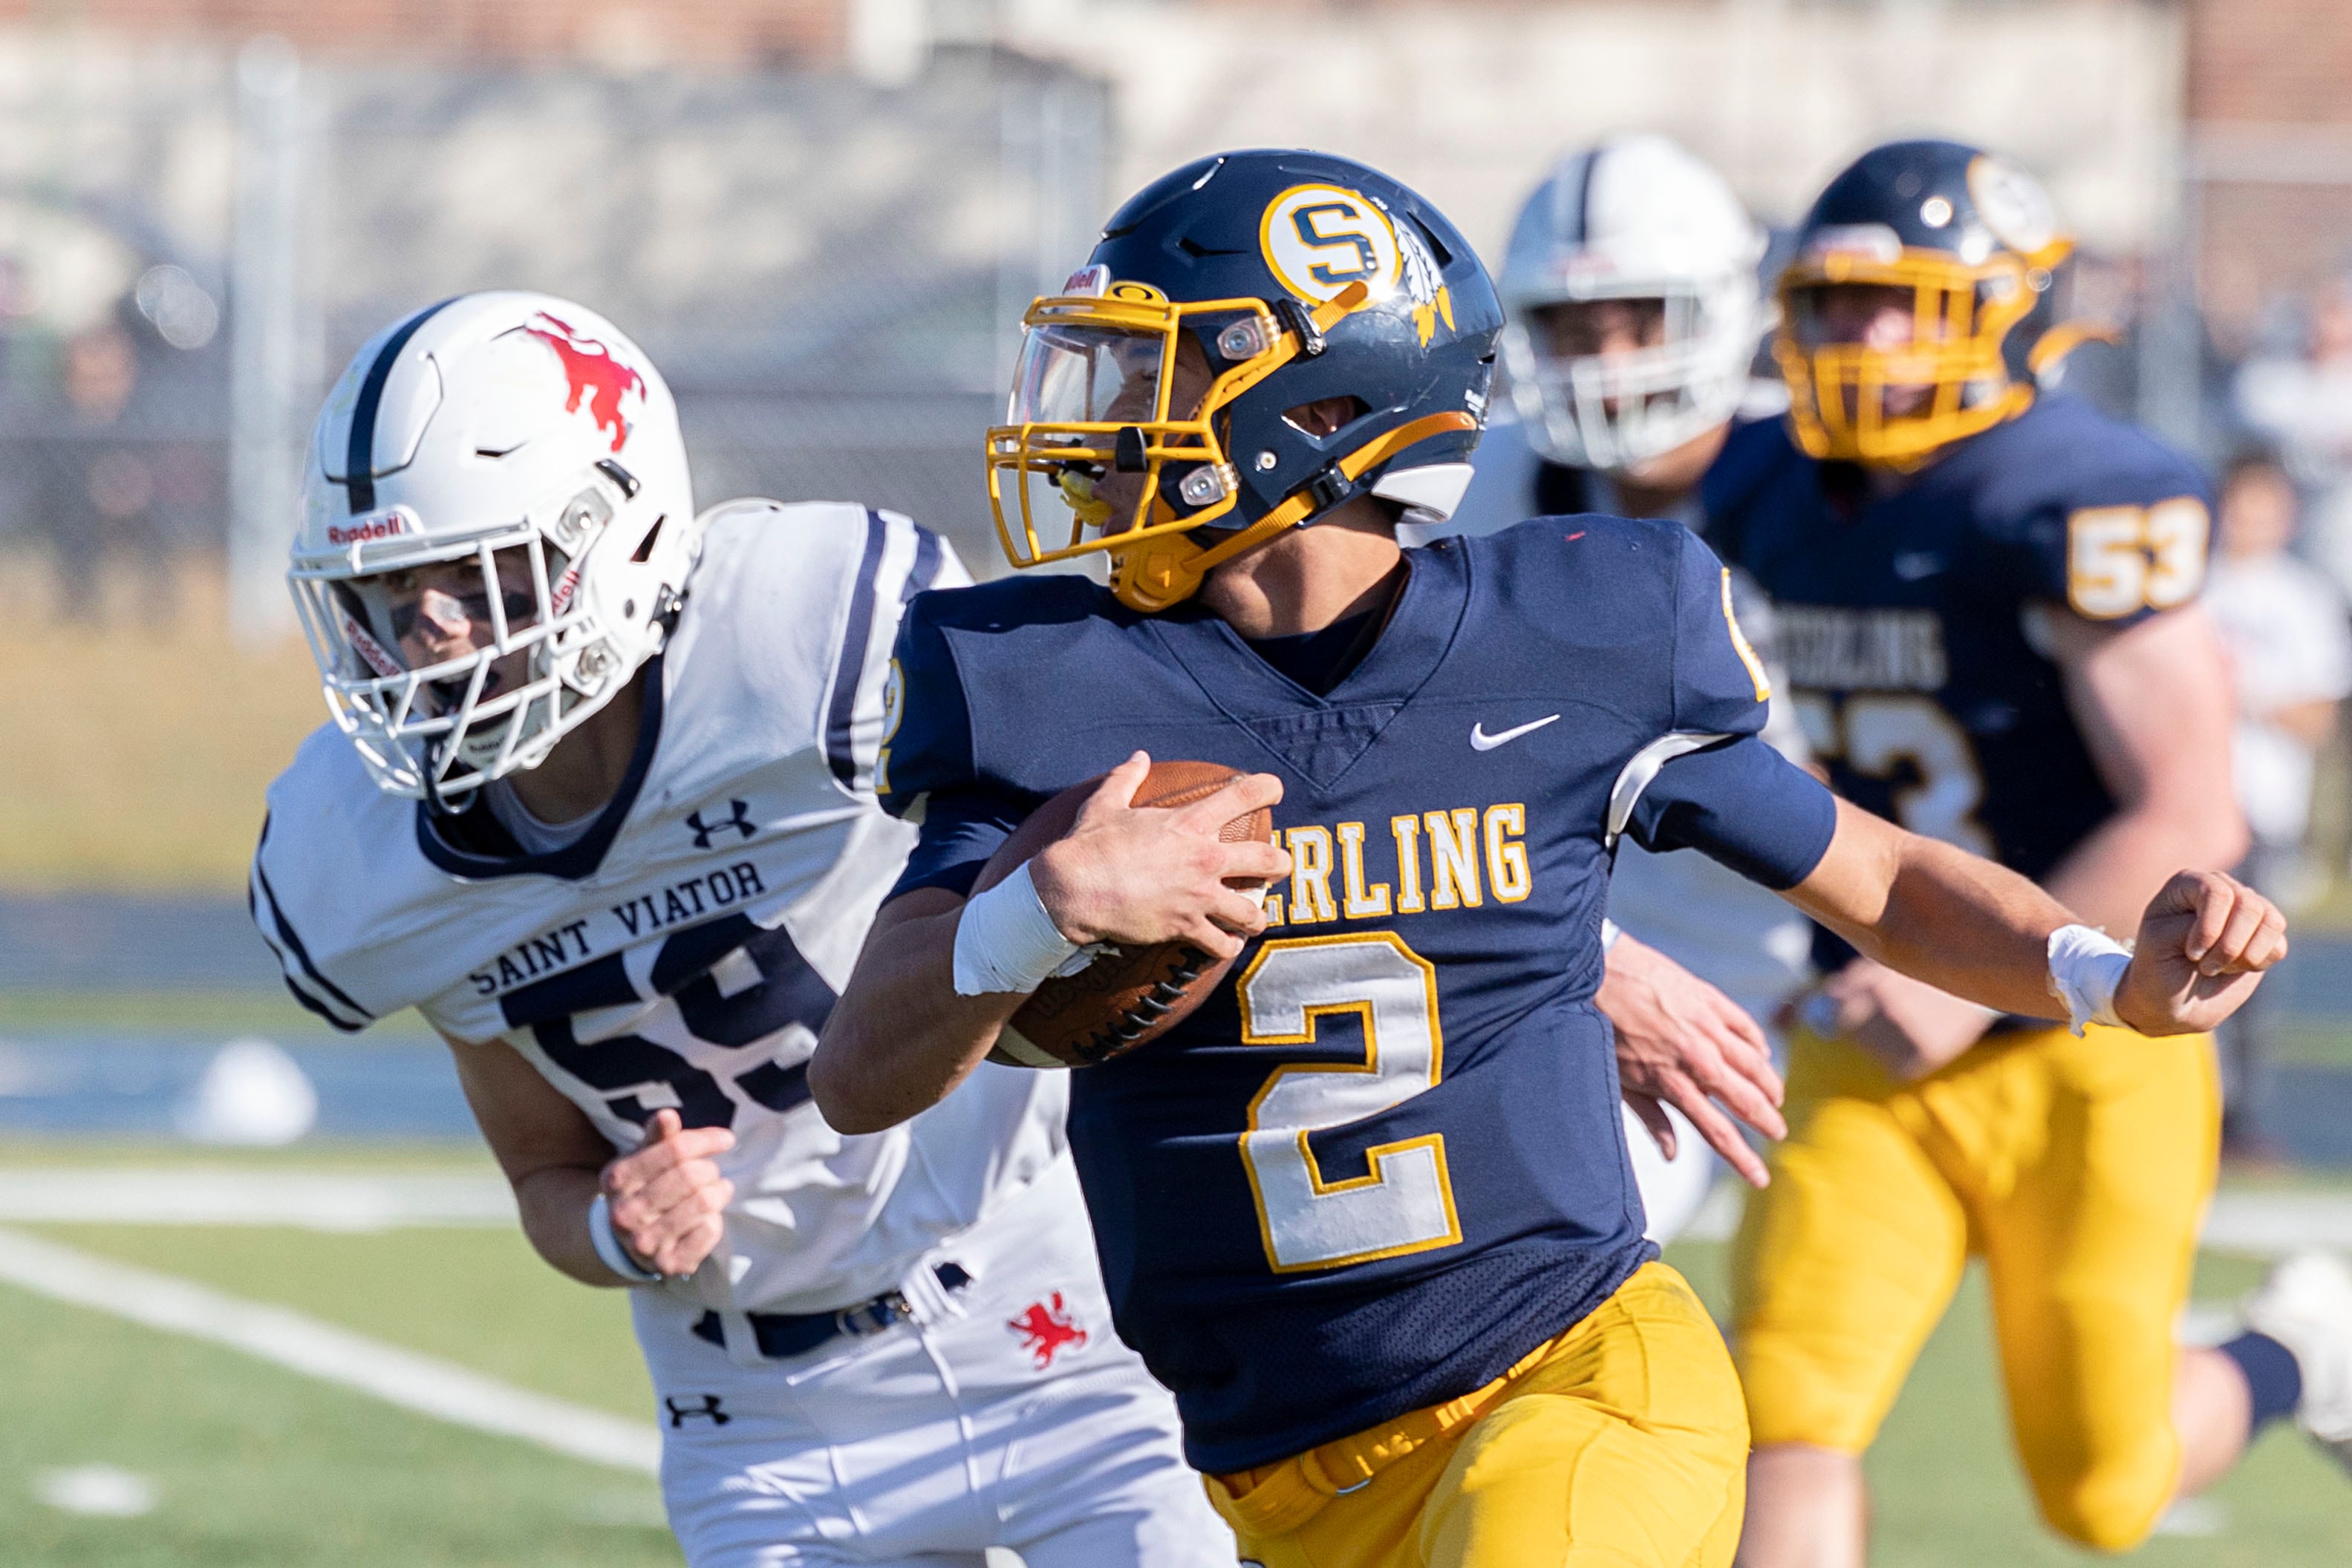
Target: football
[1127,997]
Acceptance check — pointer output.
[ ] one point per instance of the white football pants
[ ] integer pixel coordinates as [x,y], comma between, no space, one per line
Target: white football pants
[1003,1413]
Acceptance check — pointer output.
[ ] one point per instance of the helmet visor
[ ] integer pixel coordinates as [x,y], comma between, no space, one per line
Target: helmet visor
[1074,373]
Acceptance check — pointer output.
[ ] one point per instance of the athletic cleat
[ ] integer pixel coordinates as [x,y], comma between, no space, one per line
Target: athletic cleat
[2306,1306]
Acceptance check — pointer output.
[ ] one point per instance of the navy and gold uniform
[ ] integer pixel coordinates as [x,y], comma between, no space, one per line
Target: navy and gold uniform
[1367,1211]
[1913,622]
[1913,625]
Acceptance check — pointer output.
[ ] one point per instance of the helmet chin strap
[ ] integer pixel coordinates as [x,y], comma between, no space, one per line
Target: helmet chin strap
[1160,573]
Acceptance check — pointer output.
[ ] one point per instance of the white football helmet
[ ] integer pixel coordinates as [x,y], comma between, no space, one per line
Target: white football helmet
[1637,217]
[488,424]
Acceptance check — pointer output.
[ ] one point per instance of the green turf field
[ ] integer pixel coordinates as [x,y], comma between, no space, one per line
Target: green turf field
[252,1464]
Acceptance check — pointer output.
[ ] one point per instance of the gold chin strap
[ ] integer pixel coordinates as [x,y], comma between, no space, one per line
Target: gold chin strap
[1164,571]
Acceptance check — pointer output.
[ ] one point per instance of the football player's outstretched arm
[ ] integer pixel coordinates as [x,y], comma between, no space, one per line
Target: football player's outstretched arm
[1970,928]
[666,1198]
[2153,702]
[903,1036]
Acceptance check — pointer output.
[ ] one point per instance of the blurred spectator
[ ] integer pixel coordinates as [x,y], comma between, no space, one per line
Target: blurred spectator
[2303,404]
[96,494]
[2283,622]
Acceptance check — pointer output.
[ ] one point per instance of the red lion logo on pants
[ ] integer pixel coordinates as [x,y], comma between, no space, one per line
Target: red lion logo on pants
[592,371]
[1045,1327]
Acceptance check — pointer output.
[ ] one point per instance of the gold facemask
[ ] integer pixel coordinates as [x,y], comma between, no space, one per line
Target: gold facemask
[1091,417]
[1961,315]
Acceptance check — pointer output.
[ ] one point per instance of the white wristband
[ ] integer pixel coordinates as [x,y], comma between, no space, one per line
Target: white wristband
[2085,966]
[1610,932]
[1006,942]
[607,1242]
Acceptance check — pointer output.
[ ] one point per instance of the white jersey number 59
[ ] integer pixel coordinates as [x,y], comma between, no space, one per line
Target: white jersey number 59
[1404,1200]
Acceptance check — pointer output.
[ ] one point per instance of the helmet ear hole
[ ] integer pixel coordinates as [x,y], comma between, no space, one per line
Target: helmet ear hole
[644,552]
[1325,415]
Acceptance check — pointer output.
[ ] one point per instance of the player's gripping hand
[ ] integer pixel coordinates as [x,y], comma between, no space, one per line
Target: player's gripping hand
[1140,875]
[1908,1026]
[2203,945]
[1681,1041]
[667,1198]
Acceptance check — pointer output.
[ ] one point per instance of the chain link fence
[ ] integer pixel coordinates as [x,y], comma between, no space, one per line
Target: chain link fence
[830,274]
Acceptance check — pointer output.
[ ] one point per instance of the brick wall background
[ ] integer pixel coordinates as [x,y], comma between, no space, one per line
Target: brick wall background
[2268,90]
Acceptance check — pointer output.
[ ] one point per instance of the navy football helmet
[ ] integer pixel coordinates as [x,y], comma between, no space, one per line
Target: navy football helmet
[1974,241]
[1150,395]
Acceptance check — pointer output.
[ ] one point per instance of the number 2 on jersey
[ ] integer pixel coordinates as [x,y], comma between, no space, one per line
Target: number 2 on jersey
[1404,1200]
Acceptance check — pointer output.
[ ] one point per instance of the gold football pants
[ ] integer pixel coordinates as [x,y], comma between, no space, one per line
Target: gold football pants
[1621,1442]
[2079,1169]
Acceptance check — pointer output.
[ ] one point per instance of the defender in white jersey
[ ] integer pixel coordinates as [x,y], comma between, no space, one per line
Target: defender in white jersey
[1635,308]
[596,800]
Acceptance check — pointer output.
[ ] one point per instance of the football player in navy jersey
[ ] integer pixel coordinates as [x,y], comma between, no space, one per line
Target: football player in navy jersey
[1368,1210]
[1984,597]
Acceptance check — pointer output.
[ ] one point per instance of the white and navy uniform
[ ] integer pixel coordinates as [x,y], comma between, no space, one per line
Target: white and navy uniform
[1739,937]
[901,1352]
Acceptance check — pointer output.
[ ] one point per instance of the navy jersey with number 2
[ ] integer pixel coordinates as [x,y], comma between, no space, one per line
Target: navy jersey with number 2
[1385,1160]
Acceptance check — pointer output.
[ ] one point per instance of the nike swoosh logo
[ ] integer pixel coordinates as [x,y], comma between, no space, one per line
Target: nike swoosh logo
[1481,741]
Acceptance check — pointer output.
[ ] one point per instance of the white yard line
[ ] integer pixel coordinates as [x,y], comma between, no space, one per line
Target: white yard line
[424,1384]
[201,1195]
[2268,1224]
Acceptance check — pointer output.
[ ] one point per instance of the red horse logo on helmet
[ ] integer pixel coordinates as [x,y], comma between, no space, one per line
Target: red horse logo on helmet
[1044,1328]
[593,374]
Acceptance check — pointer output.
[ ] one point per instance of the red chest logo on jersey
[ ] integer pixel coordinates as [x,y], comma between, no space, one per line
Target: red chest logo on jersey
[1044,1328]
[594,373]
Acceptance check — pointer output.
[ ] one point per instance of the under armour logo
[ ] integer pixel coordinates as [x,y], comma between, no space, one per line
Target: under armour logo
[740,821]
[679,1414]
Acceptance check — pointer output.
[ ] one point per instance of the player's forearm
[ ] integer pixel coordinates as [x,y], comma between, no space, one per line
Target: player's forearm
[1937,914]
[901,1037]
[2112,875]
[554,1204]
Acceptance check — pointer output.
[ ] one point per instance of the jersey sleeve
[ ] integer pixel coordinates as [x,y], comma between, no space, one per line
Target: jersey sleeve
[2124,542]
[926,771]
[960,830]
[1711,783]
[1742,803]
[302,974]
[898,561]
[1720,686]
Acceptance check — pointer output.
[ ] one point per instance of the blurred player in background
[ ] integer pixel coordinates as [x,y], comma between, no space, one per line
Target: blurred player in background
[597,801]
[1633,312]
[1986,603]
[1367,1210]
[2283,620]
